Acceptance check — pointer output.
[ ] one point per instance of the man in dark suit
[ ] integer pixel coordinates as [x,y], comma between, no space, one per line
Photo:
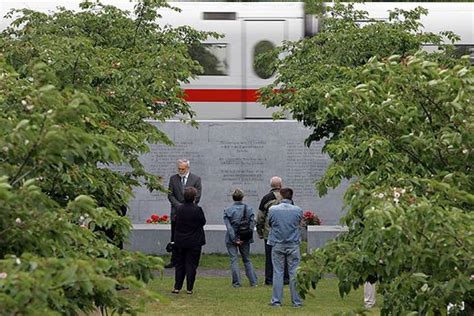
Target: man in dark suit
[178,182]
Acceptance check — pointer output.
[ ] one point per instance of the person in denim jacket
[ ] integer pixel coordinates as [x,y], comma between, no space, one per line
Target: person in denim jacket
[285,220]
[232,217]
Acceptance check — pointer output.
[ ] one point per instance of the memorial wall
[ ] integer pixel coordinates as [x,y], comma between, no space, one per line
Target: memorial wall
[244,154]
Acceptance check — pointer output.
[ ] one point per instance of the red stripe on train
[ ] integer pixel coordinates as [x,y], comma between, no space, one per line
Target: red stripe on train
[221,95]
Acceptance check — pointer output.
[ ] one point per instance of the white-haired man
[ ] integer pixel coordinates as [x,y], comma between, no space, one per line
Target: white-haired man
[270,199]
[178,182]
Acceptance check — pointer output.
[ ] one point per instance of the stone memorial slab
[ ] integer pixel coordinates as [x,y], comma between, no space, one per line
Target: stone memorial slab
[244,154]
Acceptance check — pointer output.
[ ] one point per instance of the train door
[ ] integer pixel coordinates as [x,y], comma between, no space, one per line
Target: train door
[258,36]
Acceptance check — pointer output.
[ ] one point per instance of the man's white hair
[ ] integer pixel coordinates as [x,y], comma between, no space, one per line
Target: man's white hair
[275,182]
[183,161]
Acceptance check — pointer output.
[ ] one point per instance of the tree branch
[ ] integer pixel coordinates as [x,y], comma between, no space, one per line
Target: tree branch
[139,22]
[381,131]
[74,69]
[428,115]
[30,153]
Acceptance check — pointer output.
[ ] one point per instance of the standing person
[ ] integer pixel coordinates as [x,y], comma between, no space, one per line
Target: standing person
[232,218]
[272,198]
[178,182]
[369,295]
[285,220]
[188,241]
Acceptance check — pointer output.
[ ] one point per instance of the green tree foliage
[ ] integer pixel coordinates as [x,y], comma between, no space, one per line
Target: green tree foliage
[400,124]
[75,92]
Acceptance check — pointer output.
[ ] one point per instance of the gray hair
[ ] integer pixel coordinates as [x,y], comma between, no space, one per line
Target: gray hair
[183,161]
[275,182]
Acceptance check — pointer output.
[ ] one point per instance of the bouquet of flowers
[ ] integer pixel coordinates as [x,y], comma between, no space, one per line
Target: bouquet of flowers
[311,219]
[157,219]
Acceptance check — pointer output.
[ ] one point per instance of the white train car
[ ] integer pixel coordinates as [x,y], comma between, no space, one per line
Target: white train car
[231,94]
[227,90]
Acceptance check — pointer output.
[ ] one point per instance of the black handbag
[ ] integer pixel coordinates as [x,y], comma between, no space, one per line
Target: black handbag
[244,232]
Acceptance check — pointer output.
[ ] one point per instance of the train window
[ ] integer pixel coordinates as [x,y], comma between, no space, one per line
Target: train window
[212,57]
[461,50]
[219,16]
[261,66]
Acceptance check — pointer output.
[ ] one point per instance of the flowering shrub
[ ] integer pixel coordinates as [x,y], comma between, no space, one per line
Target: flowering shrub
[157,219]
[311,219]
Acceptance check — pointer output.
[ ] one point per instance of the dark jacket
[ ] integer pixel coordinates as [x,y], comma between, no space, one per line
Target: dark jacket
[175,191]
[190,221]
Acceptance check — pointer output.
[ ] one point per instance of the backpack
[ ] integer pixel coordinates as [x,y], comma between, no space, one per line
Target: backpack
[263,228]
[275,201]
[244,231]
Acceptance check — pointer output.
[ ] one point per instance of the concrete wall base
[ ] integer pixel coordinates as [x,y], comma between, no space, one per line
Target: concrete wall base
[152,239]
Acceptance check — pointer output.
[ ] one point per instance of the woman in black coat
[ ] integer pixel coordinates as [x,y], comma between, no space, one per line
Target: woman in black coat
[188,239]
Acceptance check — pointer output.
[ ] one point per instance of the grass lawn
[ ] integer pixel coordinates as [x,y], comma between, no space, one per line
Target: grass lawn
[221,261]
[215,295]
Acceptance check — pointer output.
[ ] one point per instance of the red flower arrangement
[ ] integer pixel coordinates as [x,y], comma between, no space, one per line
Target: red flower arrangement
[311,219]
[157,219]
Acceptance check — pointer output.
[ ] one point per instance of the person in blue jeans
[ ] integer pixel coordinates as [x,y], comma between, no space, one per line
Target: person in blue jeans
[285,220]
[232,217]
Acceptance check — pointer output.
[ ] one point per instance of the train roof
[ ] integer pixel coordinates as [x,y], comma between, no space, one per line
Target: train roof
[451,16]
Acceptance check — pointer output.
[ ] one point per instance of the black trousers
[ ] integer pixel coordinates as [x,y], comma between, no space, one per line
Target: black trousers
[269,266]
[187,261]
[173,252]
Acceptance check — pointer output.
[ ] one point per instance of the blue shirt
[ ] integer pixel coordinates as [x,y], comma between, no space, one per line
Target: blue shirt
[232,217]
[285,223]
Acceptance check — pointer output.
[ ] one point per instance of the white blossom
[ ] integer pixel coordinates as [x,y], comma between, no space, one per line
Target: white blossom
[3,275]
[465,151]
[18,220]
[18,261]
[396,194]
[381,195]
[23,102]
